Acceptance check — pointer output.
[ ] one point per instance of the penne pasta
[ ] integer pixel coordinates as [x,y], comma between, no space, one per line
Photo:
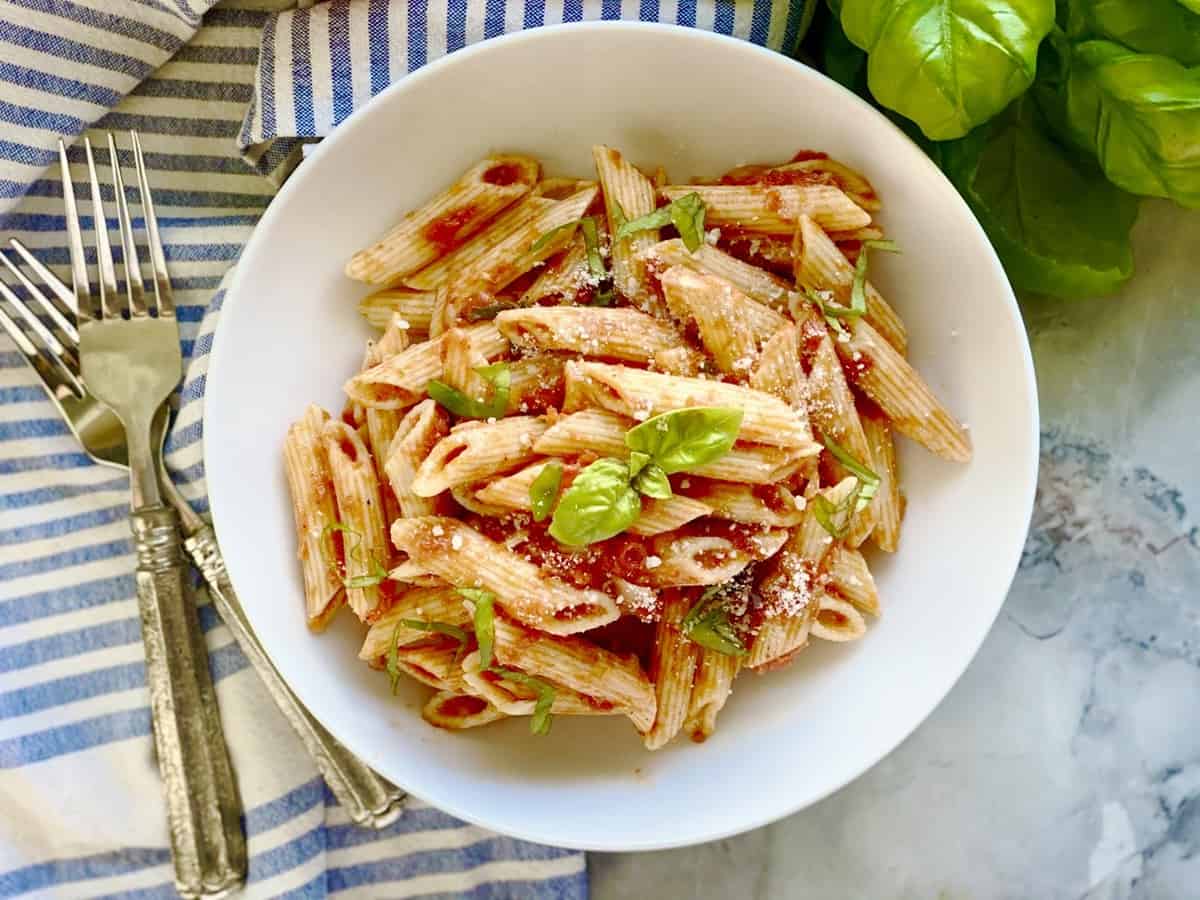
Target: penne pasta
[763,287]
[661,516]
[850,578]
[314,509]
[837,620]
[774,210]
[462,556]
[511,491]
[639,394]
[417,434]
[704,559]
[887,502]
[457,712]
[624,334]
[535,383]
[434,664]
[515,698]
[772,505]
[821,267]
[564,279]
[628,195]
[461,356]
[779,371]
[447,220]
[672,669]
[413,307]
[715,672]
[603,433]
[473,451]
[441,604]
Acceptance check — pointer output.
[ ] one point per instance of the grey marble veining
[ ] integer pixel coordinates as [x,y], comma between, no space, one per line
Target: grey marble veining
[1066,762]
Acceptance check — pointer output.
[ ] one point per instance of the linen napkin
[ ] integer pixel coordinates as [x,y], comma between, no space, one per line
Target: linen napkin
[204,84]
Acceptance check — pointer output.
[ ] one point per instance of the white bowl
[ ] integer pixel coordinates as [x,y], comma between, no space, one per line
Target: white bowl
[698,104]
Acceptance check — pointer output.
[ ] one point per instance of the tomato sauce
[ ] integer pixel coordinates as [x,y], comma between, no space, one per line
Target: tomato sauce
[806,155]
[772,497]
[445,232]
[503,174]
[463,707]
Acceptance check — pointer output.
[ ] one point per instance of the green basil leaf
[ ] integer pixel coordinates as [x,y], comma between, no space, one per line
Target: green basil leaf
[484,621]
[591,240]
[599,504]
[544,490]
[686,438]
[687,215]
[657,219]
[868,481]
[445,628]
[550,235]
[858,289]
[949,65]
[638,461]
[393,658]
[707,624]
[1193,5]
[618,215]
[653,482]
[841,59]
[1164,27]
[496,375]
[835,518]
[540,723]
[377,572]
[489,312]
[604,297]
[1058,225]
[1140,115]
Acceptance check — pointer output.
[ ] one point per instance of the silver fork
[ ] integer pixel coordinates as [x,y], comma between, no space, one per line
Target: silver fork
[131,362]
[368,799]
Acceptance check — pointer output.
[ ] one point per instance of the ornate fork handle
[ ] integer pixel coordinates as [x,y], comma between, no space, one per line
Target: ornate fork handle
[367,798]
[202,802]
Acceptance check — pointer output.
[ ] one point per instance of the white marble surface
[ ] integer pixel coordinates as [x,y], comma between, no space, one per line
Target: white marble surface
[1066,762]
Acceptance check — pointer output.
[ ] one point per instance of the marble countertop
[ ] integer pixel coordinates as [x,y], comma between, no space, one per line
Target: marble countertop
[1066,762]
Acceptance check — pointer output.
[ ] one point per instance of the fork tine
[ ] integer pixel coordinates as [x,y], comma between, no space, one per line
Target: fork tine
[109,300]
[52,281]
[54,372]
[62,322]
[79,273]
[158,260]
[134,286]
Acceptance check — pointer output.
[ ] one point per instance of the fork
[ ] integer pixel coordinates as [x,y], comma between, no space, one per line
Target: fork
[131,362]
[368,799]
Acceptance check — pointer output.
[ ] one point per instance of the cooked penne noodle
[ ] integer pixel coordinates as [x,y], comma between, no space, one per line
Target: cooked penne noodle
[535,383]
[779,371]
[772,505]
[821,266]
[639,394]
[473,451]
[447,220]
[462,556]
[628,195]
[382,423]
[435,664]
[511,491]
[588,330]
[879,371]
[774,210]
[315,512]
[360,513]
[417,434]
[514,698]
[560,188]
[672,669]
[682,361]
[770,252]
[851,579]
[580,665]
[400,381]
[887,502]
[457,712]
[564,279]
[857,187]
[790,587]
[424,604]
[603,433]
[837,620]
[714,683]
[691,560]
[413,307]
[460,358]
[767,289]
[661,516]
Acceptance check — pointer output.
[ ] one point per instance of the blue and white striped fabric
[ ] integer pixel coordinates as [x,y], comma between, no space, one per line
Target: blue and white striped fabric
[83,815]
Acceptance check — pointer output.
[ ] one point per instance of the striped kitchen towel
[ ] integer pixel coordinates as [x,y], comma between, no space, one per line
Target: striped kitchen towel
[78,785]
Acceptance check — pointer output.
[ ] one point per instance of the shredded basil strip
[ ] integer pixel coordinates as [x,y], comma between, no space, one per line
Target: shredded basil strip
[835,519]
[868,480]
[591,239]
[393,658]
[496,375]
[686,214]
[544,490]
[550,235]
[377,572]
[489,312]
[707,624]
[858,290]
[439,627]
[485,622]
[540,723]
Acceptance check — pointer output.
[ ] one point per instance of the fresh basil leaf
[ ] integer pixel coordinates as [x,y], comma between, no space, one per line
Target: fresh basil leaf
[544,490]
[452,631]
[1140,115]
[1164,27]
[858,288]
[868,481]
[599,504]
[657,219]
[687,215]
[638,461]
[550,235]
[1193,5]
[591,240]
[835,517]
[653,482]
[496,375]
[1058,225]
[707,624]
[540,722]
[686,438]
[393,658]
[484,621]
[949,65]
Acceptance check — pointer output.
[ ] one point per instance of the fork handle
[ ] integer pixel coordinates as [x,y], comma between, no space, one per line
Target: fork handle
[369,800]
[203,808]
